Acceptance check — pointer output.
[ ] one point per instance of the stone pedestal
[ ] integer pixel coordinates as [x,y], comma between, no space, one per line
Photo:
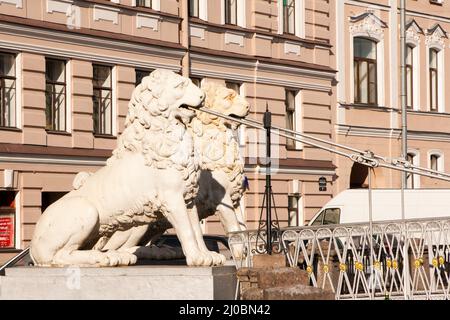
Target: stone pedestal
[121,283]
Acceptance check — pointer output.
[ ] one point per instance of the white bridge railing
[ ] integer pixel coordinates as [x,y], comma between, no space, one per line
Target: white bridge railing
[398,260]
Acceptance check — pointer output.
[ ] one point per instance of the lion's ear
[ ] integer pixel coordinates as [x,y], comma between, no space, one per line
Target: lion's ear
[205,86]
[156,74]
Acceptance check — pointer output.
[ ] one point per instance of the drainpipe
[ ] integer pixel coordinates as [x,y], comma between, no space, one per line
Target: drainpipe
[185,63]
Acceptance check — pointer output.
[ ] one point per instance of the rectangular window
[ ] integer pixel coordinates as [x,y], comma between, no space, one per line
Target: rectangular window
[433,71]
[409,77]
[7,219]
[231,11]
[365,71]
[55,94]
[289,16]
[7,90]
[410,176]
[144,3]
[102,99]
[290,116]
[194,9]
[141,74]
[434,162]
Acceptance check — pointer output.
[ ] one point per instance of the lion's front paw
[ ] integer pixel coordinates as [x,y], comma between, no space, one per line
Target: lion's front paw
[199,259]
[207,259]
[217,258]
[120,258]
[238,251]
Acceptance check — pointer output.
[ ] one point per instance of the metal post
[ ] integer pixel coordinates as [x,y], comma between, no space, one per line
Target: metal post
[373,280]
[404,140]
[267,125]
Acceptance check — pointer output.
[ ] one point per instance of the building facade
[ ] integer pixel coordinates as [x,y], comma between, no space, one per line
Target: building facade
[368,91]
[68,68]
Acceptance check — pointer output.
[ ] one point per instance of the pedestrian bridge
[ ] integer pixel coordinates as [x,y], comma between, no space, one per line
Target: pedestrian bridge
[408,259]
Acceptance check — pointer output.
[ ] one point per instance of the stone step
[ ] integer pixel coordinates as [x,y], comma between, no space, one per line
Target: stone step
[294,292]
[273,277]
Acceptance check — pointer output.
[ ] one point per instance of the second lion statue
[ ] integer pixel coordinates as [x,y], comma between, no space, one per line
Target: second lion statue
[152,175]
[221,181]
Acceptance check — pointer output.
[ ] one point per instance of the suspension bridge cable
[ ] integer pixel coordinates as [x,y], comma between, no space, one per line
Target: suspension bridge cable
[366,158]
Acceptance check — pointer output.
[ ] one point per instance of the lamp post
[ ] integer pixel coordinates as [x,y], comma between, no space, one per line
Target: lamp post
[267,125]
[406,277]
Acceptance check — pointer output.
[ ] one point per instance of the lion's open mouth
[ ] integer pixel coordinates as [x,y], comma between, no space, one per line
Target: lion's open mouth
[236,116]
[184,115]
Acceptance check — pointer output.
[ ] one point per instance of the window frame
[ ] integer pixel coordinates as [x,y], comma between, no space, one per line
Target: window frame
[357,62]
[142,4]
[410,67]
[53,126]
[190,7]
[410,176]
[101,89]
[285,15]
[7,123]
[434,157]
[433,71]
[290,116]
[8,212]
[228,9]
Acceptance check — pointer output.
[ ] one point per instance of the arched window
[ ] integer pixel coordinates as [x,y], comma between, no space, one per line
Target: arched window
[433,71]
[434,162]
[365,70]
[412,179]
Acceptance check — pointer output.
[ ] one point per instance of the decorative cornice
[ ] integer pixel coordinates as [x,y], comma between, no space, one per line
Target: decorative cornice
[369,26]
[436,37]
[413,31]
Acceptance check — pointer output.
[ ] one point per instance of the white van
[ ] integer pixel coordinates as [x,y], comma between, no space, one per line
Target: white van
[352,206]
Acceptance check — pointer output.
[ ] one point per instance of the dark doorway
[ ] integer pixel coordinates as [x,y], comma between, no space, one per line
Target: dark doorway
[47,198]
[358,176]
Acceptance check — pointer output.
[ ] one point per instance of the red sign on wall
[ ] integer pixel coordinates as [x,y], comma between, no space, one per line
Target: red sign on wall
[6,231]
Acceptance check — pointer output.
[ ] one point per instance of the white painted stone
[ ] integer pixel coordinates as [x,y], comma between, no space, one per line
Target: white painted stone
[130,283]
[147,21]
[152,174]
[290,47]
[17,3]
[106,14]
[61,6]
[197,32]
[221,178]
[234,38]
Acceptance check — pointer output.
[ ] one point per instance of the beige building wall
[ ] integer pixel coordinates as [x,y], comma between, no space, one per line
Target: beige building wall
[254,52]
[378,127]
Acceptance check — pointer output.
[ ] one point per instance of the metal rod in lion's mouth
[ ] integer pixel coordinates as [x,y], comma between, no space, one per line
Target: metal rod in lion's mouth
[251,123]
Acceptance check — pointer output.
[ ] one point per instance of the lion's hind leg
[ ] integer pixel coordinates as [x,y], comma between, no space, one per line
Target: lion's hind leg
[62,231]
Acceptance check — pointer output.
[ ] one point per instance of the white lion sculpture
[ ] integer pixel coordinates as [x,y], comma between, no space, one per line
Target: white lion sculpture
[221,179]
[151,175]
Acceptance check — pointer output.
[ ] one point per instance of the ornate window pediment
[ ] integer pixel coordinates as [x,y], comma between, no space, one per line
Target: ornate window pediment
[367,25]
[413,31]
[436,36]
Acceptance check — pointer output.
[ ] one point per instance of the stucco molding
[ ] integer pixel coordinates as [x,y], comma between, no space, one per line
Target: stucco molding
[367,25]
[436,39]
[413,32]
[17,3]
